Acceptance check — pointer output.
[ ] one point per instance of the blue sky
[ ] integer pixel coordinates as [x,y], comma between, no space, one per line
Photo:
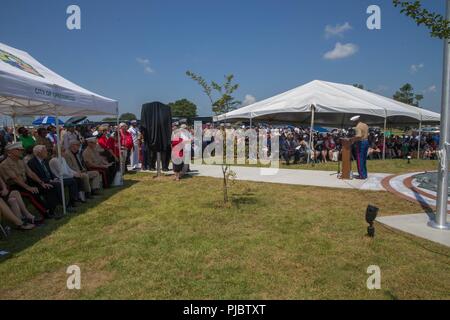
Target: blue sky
[138,51]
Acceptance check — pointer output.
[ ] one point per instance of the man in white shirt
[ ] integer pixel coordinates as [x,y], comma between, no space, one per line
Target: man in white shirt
[62,169]
[134,131]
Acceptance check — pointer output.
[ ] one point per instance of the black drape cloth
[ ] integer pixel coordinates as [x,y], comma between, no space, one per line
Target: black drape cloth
[156,127]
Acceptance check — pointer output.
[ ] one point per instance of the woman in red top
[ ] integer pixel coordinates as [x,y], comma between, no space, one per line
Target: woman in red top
[177,168]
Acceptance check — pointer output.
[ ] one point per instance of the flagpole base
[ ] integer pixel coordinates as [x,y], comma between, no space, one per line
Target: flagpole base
[435,225]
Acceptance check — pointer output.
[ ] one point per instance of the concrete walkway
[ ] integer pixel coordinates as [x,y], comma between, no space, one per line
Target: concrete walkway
[294,177]
[417,224]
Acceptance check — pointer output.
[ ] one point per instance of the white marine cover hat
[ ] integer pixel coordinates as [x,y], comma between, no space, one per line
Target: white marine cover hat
[355,118]
[14,146]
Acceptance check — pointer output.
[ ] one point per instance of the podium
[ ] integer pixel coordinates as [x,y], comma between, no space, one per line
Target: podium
[346,159]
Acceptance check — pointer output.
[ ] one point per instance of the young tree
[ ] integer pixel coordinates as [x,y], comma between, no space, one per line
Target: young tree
[224,103]
[406,95]
[183,108]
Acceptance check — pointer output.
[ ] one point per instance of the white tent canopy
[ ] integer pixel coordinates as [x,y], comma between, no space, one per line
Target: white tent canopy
[29,88]
[333,104]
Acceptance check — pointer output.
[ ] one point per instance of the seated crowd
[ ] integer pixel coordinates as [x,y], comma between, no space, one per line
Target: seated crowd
[30,169]
[294,145]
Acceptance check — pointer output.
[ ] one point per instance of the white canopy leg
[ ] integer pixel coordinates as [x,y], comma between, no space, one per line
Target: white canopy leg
[14,127]
[419,140]
[311,148]
[384,138]
[61,178]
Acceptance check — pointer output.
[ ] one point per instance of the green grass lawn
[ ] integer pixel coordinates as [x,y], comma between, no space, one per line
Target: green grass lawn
[394,166]
[158,239]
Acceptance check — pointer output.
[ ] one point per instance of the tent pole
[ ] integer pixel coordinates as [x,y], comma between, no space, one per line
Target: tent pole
[14,127]
[61,178]
[311,148]
[251,127]
[384,138]
[420,138]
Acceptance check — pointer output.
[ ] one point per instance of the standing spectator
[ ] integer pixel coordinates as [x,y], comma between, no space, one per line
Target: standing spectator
[177,158]
[126,142]
[69,136]
[51,135]
[43,140]
[135,134]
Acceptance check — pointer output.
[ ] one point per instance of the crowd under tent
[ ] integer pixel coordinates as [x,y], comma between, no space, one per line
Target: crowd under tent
[332,105]
[28,88]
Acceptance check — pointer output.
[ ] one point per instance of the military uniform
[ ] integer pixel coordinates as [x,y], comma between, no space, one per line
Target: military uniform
[94,162]
[362,148]
[10,170]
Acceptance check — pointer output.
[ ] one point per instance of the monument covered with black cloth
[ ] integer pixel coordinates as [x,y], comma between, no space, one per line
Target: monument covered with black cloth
[156,127]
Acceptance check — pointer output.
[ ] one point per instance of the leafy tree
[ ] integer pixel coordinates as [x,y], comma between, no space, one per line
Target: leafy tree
[225,102]
[406,95]
[109,119]
[183,108]
[123,117]
[438,25]
[128,116]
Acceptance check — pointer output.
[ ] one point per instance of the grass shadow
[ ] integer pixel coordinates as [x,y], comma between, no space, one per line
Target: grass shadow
[18,241]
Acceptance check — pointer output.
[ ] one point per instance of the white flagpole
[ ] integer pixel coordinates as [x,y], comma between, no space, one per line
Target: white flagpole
[440,221]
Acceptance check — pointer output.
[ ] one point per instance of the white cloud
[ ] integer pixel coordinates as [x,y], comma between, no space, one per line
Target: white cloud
[341,51]
[430,89]
[337,30]
[381,88]
[248,100]
[416,67]
[146,64]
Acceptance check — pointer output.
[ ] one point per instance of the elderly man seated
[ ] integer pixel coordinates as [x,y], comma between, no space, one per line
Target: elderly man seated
[91,178]
[18,176]
[39,165]
[61,169]
[95,162]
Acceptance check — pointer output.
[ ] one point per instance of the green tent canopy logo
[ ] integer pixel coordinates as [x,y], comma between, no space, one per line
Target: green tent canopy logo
[14,61]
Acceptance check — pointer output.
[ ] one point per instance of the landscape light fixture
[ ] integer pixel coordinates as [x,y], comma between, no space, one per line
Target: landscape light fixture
[409,159]
[371,214]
